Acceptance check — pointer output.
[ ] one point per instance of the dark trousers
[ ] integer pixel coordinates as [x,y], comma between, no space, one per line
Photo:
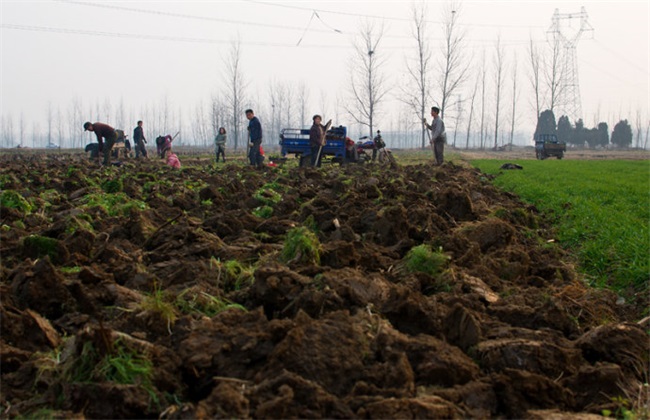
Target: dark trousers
[315,155]
[439,151]
[255,155]
[108,145]
[221,151]
[140,149]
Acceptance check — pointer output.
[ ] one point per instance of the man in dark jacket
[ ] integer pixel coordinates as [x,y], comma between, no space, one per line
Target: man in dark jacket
[139,140]
[105,131]
[255,137]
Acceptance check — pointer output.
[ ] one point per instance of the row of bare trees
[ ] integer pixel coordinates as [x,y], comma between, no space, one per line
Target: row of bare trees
[470,89]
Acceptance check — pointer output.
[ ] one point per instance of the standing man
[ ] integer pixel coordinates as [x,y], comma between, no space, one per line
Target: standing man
[255,137]
[377,143]
[139,140]
[105,131]
[438,134]
[317,139]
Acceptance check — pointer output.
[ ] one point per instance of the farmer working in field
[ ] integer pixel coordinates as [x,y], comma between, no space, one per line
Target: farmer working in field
[140,141]
[438,134]
[377,143]
[317,139]
[255,137]
[108,133]
[220,144]
[172,159]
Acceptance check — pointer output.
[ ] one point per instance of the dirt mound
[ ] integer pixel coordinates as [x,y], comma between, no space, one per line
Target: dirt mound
[344,292]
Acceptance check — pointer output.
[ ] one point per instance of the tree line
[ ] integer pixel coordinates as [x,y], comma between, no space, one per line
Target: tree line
[580,136]
[480,97]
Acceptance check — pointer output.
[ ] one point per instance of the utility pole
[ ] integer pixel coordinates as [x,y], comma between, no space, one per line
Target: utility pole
[571,102]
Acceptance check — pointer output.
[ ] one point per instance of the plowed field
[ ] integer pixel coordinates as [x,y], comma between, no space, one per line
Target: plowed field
[187,280]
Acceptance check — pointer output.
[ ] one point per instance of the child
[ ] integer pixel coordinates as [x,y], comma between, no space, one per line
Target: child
[172,159]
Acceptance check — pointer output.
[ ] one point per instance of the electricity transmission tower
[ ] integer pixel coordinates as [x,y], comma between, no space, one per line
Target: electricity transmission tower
[570,102]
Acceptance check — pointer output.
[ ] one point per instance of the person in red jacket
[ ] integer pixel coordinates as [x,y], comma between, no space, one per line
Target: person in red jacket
[105,131]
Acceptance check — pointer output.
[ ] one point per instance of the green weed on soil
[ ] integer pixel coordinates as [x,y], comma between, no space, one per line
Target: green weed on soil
[423,259]
[601,211]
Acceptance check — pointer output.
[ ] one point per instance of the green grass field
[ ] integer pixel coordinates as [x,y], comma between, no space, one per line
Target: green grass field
[601,210]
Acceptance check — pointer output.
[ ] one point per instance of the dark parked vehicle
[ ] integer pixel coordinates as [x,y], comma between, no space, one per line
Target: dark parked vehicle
[547,145]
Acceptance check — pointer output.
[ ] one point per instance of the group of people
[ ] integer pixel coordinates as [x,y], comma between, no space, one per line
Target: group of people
[107,137]
[437,139]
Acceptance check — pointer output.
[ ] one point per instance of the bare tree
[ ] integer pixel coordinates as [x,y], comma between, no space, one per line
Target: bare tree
[459,118]
[201,125]
[323,103]
[218,114]
[471,111]
[288,103]
[60,125]
[416,92]
[21,130]
[273,94]
[453,66]
[50,122]
[367,82]
[535,77]
[554,74]
[515,96]
[119,115]
[75,121]
[303,99]
[164,115]
[36,134]
[639,128]
[236,88]
[483,97]
[108,110]
[8,130]
[499,75]
[281,98]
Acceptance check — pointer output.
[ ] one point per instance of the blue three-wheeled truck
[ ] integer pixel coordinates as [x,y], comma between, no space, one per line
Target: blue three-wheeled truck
[296,141]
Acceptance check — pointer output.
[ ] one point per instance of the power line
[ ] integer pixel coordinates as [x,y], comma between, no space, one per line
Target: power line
[185,16]
[363,15]
[284,27]
[621,56]
[137,36]
[33,28]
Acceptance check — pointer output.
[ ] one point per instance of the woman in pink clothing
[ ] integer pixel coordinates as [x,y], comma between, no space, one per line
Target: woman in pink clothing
[172,159]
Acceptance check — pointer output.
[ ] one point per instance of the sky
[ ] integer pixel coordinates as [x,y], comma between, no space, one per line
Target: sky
[143,53]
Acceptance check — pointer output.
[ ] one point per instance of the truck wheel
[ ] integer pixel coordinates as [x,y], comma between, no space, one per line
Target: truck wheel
[560,156]
[305,161]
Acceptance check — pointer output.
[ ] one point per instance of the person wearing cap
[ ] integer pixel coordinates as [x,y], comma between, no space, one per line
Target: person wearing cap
[377,143]
[317,139]
[106,132]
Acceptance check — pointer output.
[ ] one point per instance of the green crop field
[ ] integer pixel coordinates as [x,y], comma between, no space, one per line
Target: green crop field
[601,211]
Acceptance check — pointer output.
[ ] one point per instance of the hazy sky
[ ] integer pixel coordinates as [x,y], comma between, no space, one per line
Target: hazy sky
[141,53]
